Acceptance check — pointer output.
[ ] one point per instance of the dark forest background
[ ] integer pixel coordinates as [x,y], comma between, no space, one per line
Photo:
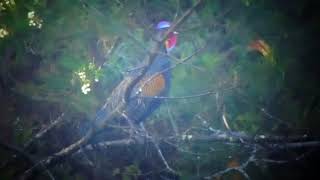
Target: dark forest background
[245,105]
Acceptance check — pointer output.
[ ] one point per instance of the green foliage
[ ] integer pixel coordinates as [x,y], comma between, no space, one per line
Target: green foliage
[66,37]
[131,172]
[248,122]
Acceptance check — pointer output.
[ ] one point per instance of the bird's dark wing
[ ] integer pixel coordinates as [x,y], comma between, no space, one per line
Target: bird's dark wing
[156,82]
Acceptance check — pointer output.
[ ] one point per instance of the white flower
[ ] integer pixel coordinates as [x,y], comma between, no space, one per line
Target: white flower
[262,136]
[85,88]
[31,14]
[39,25]
[82,75]
[12,2]
[3,33]
[34,20]
[91,66]
[2,7]
[188,137]
[184,137]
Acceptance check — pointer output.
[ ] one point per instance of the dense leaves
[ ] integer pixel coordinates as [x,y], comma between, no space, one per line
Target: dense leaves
[257,59]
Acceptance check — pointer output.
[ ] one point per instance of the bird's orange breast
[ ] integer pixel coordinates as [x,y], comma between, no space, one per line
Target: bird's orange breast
[153,86]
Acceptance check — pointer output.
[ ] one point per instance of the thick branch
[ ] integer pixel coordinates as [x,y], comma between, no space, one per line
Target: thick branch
[267,141]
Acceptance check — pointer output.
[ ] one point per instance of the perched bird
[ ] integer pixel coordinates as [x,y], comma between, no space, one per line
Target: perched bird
[155,82]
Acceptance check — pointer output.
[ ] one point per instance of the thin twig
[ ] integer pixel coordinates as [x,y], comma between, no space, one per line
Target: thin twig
[158,150]
[111,51]
[240,168]
[43,132]
[206,93]
[172,122]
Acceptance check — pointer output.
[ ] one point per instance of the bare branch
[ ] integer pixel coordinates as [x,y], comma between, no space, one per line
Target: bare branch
[224,118]
[105,144]
[206,93]
[43,132]
[111,51]
[265,141]
[240,168]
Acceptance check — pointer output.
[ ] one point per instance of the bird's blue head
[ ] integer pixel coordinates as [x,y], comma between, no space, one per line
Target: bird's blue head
[171,41]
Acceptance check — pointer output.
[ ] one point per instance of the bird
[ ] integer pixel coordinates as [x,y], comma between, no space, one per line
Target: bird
[155,82]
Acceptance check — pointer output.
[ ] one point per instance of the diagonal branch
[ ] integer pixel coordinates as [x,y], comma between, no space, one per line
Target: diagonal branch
[43,132]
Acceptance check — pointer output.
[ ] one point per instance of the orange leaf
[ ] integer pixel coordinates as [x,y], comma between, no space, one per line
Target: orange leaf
[260,46]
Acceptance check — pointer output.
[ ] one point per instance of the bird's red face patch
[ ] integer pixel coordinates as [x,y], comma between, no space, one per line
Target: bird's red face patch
[171,42]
